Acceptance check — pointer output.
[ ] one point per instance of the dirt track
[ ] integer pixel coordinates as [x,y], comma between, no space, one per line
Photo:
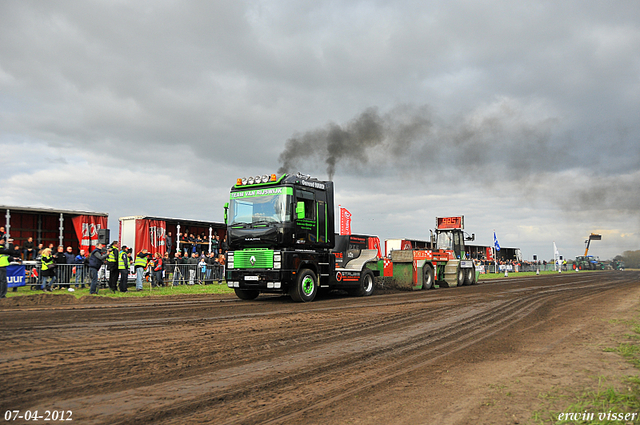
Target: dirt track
[439,356]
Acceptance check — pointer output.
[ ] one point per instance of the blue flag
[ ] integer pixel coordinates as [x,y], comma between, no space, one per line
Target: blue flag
[495,242]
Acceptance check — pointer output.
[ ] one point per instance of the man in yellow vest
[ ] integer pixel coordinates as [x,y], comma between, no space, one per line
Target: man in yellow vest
[142,260]
[123,268]
[6,253]
[112,265]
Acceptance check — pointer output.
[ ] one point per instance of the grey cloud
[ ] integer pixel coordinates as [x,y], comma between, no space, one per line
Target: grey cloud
[491,92]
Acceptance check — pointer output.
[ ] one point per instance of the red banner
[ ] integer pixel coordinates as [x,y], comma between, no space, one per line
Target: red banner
[86,227]
[489,254]
[345,221]
[374,243]
[151,235]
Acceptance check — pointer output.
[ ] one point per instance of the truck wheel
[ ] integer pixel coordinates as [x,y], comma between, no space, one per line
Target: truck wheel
[469,276]
[365,287]
[428,277]
[306,287]
[461,280]
[246,294]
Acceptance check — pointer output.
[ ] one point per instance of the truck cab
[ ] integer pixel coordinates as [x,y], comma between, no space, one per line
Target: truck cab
[281,235]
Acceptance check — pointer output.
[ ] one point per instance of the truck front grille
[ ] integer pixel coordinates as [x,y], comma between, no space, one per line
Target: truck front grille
[253,259]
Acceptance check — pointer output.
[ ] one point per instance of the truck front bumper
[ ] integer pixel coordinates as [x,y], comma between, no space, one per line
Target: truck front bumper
[264,280]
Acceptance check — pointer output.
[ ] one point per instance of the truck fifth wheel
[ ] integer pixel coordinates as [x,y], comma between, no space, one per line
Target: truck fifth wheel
[281,240]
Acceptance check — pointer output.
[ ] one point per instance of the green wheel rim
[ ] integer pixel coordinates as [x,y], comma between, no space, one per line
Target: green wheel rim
[307,285]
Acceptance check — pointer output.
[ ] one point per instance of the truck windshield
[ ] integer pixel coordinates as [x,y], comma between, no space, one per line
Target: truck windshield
[445,240]
[264,209]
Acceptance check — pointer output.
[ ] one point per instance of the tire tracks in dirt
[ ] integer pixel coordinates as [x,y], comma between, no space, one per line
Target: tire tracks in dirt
[257,361]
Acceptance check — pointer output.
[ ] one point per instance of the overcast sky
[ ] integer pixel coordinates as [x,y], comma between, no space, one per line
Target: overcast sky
[522,116]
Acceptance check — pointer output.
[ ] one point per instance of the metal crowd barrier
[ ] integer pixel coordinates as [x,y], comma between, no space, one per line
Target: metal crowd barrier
[64,275]
[71,275]
[193,274]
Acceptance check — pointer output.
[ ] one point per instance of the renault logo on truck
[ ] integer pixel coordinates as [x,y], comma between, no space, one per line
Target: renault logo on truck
[252,260]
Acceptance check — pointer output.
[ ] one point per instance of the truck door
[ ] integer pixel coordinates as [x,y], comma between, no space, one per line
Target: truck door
[305,217]
[458,244]
[322,222]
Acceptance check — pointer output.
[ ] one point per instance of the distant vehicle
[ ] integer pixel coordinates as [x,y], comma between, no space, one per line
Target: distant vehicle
[588,262]
[617,264]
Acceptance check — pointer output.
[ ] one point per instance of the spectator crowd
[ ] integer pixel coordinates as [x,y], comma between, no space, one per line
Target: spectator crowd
[197,261]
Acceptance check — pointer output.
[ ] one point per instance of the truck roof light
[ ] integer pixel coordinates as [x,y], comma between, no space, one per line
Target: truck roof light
[265,178]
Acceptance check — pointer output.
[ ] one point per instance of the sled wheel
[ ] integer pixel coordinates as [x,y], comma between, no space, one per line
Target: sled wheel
[428,277]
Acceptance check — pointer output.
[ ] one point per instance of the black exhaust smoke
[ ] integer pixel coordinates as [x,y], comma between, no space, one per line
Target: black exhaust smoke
[353,141]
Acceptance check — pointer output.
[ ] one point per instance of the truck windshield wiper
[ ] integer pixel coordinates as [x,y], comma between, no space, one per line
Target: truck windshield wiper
[264,221]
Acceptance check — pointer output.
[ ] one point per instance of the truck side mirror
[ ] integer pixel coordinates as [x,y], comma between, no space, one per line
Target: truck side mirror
[300,210]
[226,210]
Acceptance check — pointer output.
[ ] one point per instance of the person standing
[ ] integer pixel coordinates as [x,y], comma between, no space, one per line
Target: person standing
[123,268]
[96,258]
[224,246]
[112,265]
[47,270]
[215,245]
[80,260]
[169,242]
[221,264]
[6,252]
[166,261]
[71,260]
[60,269]
[142,260]
[192,263]
[158,267]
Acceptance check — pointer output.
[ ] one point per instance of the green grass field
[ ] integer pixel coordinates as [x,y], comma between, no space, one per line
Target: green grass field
[147,291]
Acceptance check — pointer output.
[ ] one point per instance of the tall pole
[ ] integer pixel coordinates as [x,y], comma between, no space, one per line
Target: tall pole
[61,236]
[7,227]
[178,238]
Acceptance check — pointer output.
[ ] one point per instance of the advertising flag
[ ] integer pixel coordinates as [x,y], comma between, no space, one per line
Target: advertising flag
[489,253]
[374,243]
[345,221]
[495,242]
